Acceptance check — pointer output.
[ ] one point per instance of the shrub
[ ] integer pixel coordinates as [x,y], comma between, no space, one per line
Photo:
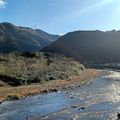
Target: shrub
[26,68]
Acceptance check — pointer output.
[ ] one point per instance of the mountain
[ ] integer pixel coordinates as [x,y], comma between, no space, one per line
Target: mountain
[16,38]
[91,47]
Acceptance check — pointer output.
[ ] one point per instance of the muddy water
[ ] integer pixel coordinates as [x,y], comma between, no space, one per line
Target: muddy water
[98,101]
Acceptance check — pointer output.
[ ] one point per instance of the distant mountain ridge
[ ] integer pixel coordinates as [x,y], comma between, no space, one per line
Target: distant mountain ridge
[92,47]
[17,38]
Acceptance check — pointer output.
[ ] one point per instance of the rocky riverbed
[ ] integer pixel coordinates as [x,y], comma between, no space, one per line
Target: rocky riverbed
[99,100]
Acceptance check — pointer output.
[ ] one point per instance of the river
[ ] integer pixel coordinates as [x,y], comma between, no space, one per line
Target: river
[99,100]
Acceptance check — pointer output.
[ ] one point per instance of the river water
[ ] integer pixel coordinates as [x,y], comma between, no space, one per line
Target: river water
[99,100]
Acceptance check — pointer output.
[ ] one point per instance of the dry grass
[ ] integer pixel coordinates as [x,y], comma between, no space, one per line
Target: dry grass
[23,91]
[21,69]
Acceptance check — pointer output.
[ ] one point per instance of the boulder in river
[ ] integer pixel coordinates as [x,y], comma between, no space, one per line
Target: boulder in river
[118,116]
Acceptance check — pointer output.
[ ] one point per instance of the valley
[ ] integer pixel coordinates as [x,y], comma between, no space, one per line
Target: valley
[76,74]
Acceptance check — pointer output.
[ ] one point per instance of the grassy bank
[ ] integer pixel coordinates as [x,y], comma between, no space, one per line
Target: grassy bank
[10,93]
[30,68]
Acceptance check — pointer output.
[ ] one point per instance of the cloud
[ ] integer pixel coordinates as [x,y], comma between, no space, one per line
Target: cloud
[3,3]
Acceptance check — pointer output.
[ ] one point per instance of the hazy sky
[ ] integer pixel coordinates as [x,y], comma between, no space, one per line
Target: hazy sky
[61,16]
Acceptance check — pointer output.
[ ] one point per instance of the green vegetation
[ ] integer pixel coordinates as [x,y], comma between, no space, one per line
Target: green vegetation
[37,67]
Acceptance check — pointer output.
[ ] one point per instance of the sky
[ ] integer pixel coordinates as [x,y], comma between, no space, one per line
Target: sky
[62,16]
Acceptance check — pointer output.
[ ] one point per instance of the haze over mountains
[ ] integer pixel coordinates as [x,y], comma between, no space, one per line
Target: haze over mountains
[89,46]
[16,38]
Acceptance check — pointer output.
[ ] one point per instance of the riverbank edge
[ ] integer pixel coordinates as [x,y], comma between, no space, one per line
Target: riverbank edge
[21,92]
